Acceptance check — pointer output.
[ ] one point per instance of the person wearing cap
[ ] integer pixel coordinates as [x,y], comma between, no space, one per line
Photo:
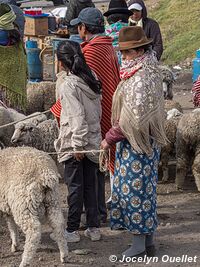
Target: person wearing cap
[150,26]
[13,58]
[101,57]
[117,17]
[73,9]
[138,128]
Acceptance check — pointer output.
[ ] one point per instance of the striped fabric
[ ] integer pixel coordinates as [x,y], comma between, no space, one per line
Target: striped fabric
[196,93]
[56,110]
[101,58]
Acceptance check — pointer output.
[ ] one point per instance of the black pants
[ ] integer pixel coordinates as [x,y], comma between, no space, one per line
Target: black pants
[80,177]
[101,194]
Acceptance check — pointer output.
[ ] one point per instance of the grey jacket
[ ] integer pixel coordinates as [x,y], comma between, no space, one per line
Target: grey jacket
[80,119]
[73,9]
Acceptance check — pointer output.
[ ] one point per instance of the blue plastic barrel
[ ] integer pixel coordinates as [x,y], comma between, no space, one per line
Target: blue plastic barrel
[196,66]
[35,68]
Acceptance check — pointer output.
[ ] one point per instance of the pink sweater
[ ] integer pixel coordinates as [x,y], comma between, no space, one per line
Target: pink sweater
[114,135]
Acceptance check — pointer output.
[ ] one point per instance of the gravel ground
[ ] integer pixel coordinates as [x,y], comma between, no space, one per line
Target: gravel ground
[178,233]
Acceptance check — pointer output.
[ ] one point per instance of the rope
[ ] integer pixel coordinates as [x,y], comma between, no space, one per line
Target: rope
[104,157]
[28,117]
[42,51]
[104,160]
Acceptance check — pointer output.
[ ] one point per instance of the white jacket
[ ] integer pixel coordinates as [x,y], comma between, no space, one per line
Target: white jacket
[80,119]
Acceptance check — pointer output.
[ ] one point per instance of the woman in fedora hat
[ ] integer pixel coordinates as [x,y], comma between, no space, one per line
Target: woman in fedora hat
[117,17]
[137,124]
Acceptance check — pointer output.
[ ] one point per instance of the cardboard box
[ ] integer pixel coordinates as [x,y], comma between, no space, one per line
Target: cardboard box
[36,26]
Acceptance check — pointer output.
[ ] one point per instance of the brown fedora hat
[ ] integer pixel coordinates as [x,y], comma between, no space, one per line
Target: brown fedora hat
[132,37]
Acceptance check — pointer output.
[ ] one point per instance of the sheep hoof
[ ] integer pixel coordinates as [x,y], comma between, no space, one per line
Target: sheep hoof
[179,188]
[64,259]
[165,180]
[14,248]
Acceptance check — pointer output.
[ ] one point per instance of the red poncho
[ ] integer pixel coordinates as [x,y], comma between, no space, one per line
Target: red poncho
[101,58]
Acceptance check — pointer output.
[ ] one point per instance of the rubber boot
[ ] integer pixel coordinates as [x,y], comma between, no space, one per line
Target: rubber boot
[150,247]
[137,249]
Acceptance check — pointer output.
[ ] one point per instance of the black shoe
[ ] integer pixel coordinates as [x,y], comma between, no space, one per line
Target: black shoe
[151,251]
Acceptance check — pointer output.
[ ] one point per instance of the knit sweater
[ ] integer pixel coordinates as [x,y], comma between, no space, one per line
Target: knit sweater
[13,82]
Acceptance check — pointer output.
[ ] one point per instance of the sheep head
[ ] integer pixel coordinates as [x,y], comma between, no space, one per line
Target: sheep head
[25,134]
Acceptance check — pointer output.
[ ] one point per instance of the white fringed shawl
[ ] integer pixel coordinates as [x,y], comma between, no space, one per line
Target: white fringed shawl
[138,106]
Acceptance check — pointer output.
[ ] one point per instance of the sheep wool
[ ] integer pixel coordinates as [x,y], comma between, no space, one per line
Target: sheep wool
[31,185]
[188,148]
[40,96]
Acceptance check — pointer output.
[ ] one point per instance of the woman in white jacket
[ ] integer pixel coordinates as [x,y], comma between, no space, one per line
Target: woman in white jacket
[80,99]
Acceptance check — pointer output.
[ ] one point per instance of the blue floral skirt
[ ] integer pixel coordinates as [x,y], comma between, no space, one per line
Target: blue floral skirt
[134,198]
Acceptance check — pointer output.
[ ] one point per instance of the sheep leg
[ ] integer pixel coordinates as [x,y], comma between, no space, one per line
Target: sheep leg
[13,233]
[196,171]
[56,221]
[164,161]
[32,229]
[182,152]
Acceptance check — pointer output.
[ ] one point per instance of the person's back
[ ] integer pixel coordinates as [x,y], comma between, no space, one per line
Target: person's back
[80,131]
[150,26]
[117,17]
[100,56]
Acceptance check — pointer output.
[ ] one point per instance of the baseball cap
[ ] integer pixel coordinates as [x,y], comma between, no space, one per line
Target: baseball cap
[135,6]
[89,15]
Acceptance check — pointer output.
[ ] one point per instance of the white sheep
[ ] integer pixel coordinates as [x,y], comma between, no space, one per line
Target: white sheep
[168,80]
[40,97]
[28,186]
[188,148]
[41,136]
[171,122]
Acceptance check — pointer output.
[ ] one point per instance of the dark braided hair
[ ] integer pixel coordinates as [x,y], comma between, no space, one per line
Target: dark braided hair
[69,53]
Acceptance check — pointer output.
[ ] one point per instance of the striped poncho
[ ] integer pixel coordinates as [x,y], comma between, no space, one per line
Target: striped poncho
[101,58]
[196,93]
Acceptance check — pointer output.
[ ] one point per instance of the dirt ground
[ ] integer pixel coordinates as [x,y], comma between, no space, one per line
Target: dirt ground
[178,233]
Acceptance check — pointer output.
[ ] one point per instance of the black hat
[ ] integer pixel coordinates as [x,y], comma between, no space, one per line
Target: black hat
[117,6]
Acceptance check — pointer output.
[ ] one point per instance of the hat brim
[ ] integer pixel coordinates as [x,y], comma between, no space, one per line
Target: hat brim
[119,48]
[74,22]
[118,10]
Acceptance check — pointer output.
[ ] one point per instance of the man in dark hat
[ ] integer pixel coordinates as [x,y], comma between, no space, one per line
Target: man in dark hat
[150,26]
[117,16]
